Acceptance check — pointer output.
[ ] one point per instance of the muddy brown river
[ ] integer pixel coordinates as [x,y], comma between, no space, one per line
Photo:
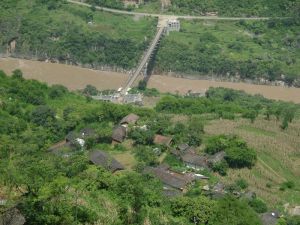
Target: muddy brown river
[75,77]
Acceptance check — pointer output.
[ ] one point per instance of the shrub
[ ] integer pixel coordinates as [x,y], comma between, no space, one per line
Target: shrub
[242,183]
[57,91]
[287,184]
[43,114]
[216,144]
[220,167]
[17,74]
[258,205]
[240,157]
[90,90]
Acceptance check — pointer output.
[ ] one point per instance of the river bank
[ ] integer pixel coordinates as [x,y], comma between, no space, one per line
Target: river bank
[74,78]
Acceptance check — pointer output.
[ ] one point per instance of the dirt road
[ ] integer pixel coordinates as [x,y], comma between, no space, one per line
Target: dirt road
[117,11]
[77,78]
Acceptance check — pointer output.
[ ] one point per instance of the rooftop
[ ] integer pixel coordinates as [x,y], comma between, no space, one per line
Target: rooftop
[101,158]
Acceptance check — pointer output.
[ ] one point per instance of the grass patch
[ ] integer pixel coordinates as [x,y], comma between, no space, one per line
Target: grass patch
[256,130]
[127,159]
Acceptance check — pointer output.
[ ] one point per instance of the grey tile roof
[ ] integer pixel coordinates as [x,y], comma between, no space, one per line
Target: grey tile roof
[103,159]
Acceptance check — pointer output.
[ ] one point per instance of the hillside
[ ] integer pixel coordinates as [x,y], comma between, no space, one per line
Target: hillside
[263,8]
[50,184]
[263,51]
[260,50]
[61,32]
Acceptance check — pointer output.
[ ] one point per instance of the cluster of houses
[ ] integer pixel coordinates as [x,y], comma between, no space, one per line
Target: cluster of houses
[174,182]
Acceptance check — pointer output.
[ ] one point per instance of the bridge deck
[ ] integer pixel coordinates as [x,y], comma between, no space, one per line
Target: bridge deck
[145,59]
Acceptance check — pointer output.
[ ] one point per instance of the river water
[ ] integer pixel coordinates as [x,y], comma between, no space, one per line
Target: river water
[74,77]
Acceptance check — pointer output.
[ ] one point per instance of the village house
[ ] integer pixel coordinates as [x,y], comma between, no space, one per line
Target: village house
[194,161]
[129,119]
[120,131]
[170,179]
[183,149]
[72,141]
[101,158]
[119,134]
[216,158]
[162,140]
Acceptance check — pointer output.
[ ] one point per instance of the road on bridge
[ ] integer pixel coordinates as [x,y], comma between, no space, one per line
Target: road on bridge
[145,59]
[166,15]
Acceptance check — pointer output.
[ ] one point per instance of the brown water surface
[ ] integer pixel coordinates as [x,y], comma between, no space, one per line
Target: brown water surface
[75,77]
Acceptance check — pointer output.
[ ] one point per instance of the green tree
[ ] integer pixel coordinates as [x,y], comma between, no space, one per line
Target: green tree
[90,90]
[43,115]
[197,210]
[234,212]
[17,74]
[258,205]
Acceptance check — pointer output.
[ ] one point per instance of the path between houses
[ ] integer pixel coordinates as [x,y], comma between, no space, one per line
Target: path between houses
[162,157]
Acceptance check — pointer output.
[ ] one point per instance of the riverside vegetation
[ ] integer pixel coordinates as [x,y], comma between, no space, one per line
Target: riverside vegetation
[57,31]
[253,50]
[51,189]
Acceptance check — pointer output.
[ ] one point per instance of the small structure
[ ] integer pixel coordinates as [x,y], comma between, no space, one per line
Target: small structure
[119,134]
[129,119]
[173,25]
[294,211]
[193,94]
[270,218]
[162,140]
[135,3]
[195,161]
[101,158]
[133,99]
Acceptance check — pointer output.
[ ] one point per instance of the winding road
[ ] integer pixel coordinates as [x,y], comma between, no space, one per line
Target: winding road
[117,11]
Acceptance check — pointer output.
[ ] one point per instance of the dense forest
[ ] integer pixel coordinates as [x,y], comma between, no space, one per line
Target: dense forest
[248,8]
[255,50]
[56,31]
[234,8]
[52,188]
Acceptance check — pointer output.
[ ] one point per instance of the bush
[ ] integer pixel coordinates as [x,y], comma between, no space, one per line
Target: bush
[216,144]
[220,167]
[17,74]
[242,183]
[42,115]
[57,91]
[287,184]
[90,90]
[258,205]
[240,157]
[238,154]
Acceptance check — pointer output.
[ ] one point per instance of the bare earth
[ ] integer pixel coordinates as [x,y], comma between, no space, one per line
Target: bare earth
[77,78]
